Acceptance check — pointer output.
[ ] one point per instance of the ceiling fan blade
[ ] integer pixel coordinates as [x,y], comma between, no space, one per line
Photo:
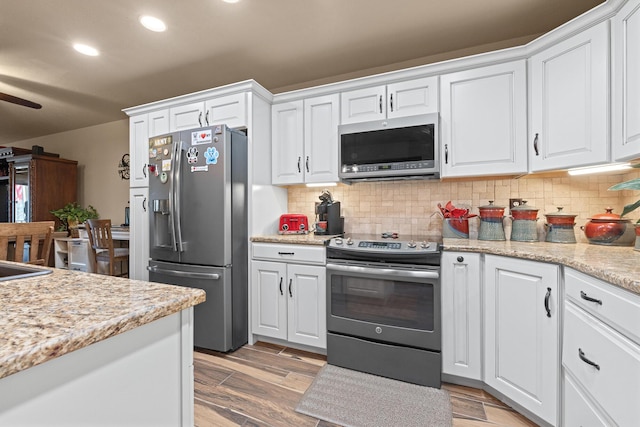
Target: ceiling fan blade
[19,101]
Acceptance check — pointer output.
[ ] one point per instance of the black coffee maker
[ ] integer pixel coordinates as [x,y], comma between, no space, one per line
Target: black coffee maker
[328,214]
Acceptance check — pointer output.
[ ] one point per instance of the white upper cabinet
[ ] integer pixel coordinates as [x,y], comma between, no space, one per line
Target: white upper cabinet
[158,122]
[187,116]
[626,82]
[230,110]
[139,150]
[305,140]
[287,135]
[321,118]
[483,121]
[408,98]
[569,102]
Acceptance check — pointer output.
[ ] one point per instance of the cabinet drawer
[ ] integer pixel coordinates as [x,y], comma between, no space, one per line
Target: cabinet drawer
[615,306]
[578,410]
[615,382]
[290,253]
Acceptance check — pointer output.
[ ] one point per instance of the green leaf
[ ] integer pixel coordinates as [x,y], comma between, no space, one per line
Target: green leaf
[630,208]
[633,184]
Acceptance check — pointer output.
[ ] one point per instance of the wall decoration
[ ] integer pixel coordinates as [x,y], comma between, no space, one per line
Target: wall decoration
[123,167]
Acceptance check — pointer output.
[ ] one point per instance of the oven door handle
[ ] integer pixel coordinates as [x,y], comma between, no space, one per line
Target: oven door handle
[413,274]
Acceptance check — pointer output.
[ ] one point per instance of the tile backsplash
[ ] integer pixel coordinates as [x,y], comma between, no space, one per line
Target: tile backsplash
[410,207]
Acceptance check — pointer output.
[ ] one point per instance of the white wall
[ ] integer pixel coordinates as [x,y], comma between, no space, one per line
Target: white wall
[98,150]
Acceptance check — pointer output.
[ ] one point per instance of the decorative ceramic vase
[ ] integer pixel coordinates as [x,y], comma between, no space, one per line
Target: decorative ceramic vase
[491,227]
[455,228]
[560,227]
[524,227]
[609,229]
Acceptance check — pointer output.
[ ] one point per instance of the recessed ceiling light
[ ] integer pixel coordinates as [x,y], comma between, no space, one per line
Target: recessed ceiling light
[231,1]
[153,24]
[86,50]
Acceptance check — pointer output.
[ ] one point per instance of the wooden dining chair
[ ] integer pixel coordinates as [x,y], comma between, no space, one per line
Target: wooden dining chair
[14,235]
[99,231]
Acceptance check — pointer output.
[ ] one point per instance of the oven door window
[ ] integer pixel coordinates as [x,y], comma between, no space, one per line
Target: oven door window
[384,301]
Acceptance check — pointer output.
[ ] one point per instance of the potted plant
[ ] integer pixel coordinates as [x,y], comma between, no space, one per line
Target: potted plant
[72,214]
[632,184]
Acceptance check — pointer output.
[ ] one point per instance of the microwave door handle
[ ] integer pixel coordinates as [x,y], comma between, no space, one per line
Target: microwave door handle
[411,274]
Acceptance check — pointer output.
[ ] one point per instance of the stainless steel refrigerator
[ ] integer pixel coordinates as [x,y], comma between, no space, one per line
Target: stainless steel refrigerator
[198,227]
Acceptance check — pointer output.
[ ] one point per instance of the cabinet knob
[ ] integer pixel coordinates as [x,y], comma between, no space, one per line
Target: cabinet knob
[460,259]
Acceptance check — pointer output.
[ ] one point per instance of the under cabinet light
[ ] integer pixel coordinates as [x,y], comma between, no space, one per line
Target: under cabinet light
[598,169]
[322,184]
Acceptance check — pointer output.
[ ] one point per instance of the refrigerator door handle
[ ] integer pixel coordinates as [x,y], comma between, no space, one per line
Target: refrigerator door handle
[187,274]
[177,165]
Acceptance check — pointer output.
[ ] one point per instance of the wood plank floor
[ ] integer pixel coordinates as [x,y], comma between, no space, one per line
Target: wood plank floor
[261,385]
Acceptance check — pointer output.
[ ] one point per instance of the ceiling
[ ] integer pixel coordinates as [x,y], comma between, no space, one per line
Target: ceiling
[282,44]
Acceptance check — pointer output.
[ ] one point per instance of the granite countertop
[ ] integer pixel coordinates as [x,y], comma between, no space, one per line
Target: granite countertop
[618,265]
[294,239]
[47,316]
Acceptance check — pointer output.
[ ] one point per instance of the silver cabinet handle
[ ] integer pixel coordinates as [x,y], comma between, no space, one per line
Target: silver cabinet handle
[380,104]
[200,119]
[206,118]
[391,102]
[307,163]
[446,154]
[144,170]
[299,170]
[535,145]
[144,204]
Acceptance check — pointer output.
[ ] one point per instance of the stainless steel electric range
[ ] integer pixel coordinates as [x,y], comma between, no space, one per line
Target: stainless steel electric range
[383,307]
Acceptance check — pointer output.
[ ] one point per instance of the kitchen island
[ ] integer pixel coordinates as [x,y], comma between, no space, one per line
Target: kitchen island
[76,348]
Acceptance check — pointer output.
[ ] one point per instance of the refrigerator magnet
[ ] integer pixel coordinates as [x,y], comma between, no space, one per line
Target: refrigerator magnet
[211,155]
[201,137]
[166,165]
[192,155]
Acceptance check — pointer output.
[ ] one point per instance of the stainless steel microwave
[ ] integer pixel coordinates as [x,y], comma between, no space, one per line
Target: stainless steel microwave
[399,148]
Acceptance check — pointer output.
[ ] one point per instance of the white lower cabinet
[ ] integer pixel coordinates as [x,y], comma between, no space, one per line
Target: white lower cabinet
[288,300]
[521,358]
[601,352]
[461,315]
[139,233]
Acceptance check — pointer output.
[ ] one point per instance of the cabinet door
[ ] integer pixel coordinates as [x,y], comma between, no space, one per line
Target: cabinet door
[230,110]
[461,311]
[138,233]
[412,97]
[321,115]
[363,105]
[287,143]
[307,317]
[158,122]
[268,299]
[187,117]
[139,149]
[569,102]
[484,121]
[522,356]
[626,82]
